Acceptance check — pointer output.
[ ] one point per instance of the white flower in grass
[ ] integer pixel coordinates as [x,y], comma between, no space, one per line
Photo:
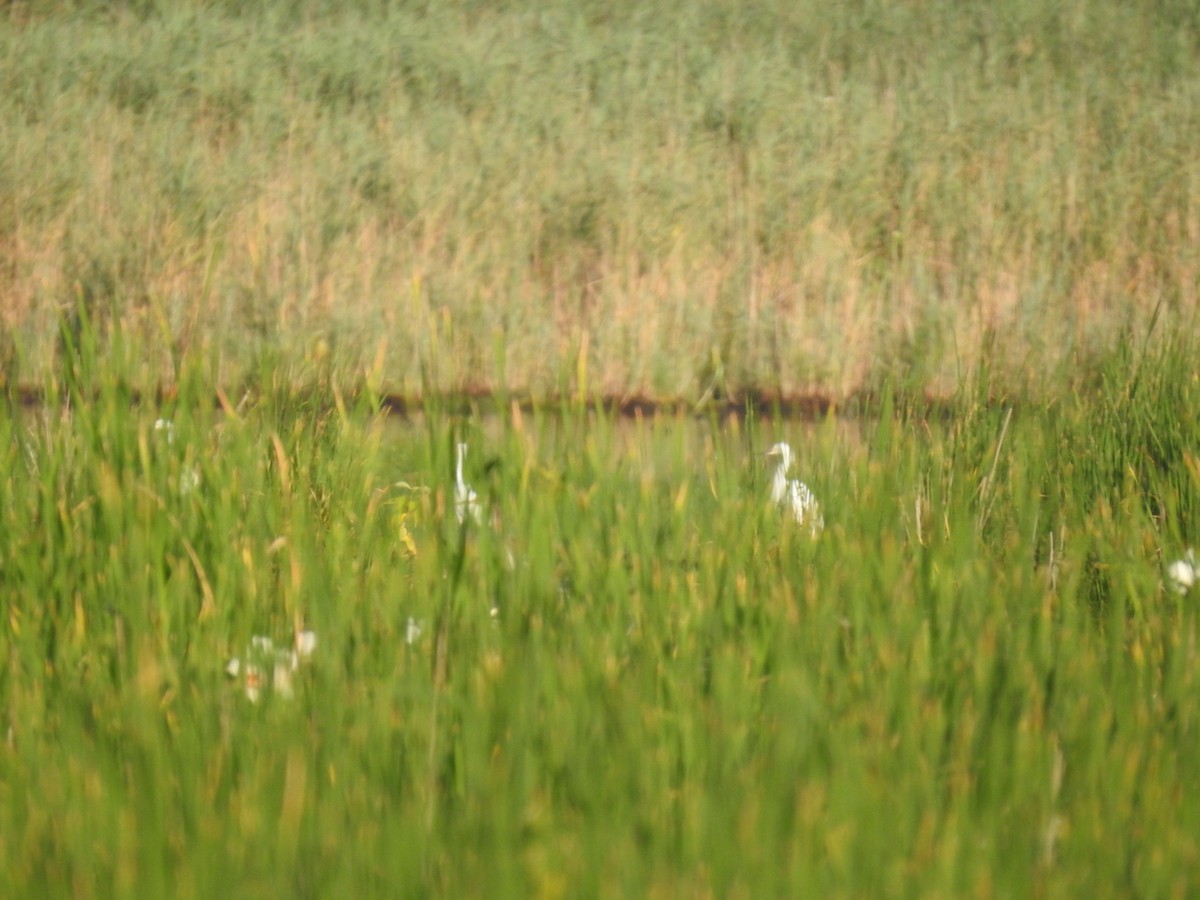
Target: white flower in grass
[412,631]
[262,656]
[253,683]
[281,676]
[1182,573]
[263,645]
[250,675]
[306,643]
[189,480]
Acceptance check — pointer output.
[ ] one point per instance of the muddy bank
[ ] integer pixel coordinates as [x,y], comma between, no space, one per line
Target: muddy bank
[749,404]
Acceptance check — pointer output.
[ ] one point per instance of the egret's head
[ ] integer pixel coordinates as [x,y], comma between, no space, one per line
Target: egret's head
[782,452]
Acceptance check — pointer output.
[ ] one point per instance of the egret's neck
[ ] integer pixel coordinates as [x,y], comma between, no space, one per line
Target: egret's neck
[779,481]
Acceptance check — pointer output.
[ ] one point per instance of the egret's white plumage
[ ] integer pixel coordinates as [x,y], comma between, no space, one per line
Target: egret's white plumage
[466,501]
[794,495]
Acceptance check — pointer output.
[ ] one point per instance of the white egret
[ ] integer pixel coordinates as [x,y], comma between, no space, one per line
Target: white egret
[466,501]
[794,495]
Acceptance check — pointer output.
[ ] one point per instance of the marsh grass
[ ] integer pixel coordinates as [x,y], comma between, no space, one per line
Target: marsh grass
[635,679]
[781,195]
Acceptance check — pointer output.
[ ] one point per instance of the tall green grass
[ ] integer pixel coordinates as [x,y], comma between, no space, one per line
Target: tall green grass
[634,680]
[786,196]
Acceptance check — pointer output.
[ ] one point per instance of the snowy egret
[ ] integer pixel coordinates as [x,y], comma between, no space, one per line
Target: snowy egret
[466,501]
[792,494]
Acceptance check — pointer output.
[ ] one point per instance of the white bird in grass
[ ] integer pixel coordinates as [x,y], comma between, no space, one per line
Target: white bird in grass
[794,495]
[466,501]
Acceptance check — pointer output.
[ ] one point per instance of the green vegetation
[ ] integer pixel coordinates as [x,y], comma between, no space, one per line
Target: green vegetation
[719,195]
[634,679]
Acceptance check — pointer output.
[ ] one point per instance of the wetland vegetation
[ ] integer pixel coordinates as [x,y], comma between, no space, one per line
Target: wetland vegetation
[624,672]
